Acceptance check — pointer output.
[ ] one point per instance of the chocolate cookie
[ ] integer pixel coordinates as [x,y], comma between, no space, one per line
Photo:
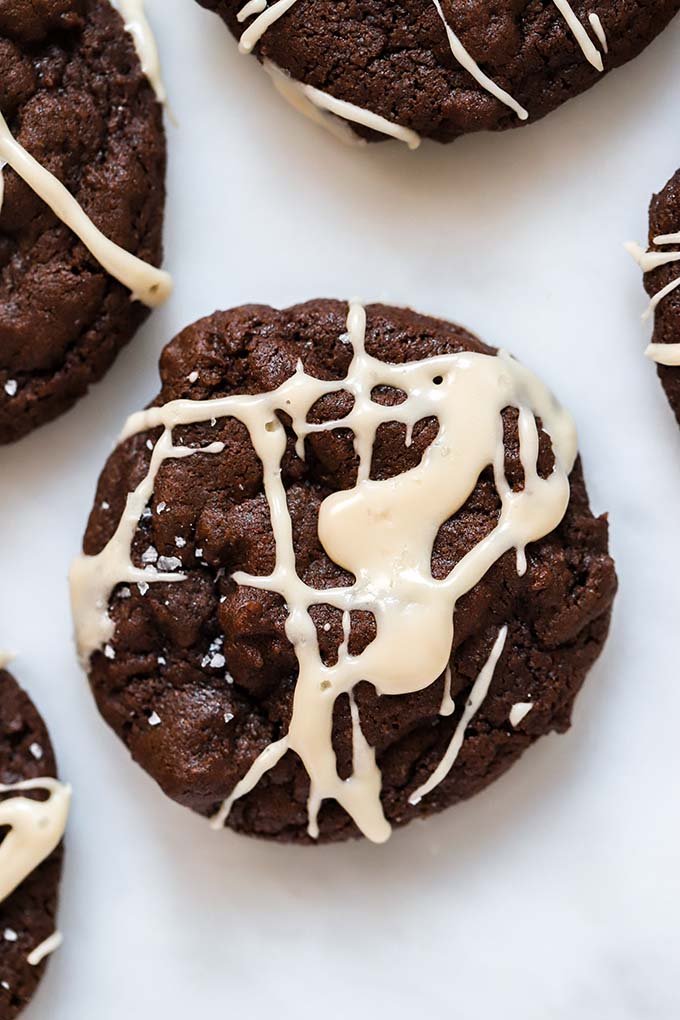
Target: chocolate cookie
[662,279]
[436,69]
[28,905]
[81,127]
[356,548]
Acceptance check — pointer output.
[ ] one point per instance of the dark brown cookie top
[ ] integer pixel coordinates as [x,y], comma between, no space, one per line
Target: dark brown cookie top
[73,94]
[395,59]
[29,913]
[199,676]
[664,218]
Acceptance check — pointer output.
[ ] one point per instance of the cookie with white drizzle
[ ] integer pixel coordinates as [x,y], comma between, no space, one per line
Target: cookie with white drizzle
[83,150]
[413,69]
[33,811]
[659,264]
[329,560]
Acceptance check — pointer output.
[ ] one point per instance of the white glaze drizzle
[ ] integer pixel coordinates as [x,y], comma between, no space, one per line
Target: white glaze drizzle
[588,48]
[662,354]
[46,948]
[380,531]
[332,114]
[448,705]
[294,93]
[252,7]
[598,29]
[137,24]
[36,829]
[520,711]
[94,578]
[479,691]
[667,239]
[267,15]
[150,285]
[473,68]
[5,658]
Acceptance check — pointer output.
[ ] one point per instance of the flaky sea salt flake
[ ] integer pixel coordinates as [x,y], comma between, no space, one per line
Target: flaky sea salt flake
[166,564]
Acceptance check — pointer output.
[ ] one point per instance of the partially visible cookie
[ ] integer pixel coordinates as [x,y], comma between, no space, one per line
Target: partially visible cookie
[27,914]
[662,283]
[435,68]
[74,97]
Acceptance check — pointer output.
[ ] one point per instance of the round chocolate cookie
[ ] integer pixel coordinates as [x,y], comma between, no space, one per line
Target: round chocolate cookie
[661,283]
[434,68]
[209,674]
[73,95]
[27,915]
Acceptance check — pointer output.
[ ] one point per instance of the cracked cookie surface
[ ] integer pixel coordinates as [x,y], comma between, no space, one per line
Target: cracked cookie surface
[200,675]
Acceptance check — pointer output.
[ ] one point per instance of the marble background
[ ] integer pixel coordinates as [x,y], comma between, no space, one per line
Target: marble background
[555,895]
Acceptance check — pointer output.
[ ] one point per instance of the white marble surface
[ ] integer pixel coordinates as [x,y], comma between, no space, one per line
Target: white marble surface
[555,895]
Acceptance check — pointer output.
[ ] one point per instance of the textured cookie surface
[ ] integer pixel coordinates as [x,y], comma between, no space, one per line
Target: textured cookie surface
[30,911]
[664,218]
[73,94]
[200,675]
[394,58]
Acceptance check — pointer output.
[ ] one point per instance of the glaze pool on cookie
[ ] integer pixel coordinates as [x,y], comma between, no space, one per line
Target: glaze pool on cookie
[288,596]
